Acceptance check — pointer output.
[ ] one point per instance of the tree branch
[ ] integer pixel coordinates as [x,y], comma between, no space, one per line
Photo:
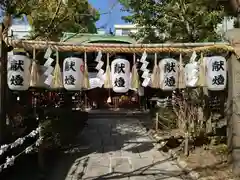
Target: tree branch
[55,15]
[184,20]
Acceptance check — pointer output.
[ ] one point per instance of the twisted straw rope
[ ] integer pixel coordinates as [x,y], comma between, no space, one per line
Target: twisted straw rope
[63,47]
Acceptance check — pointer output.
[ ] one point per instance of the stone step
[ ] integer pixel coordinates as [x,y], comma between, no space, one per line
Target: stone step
[117,114]
[90,116]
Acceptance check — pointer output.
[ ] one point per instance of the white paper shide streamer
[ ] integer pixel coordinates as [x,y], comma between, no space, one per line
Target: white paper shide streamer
[47,76]
[11,160]
[216,73]
[120,72]
[18,142]
[18,72]
[168,74]
[146,75]
[73,69]
[191,74]
[191,71]
[100,73]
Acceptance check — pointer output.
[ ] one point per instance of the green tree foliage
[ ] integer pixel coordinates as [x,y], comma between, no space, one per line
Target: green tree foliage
[49,18]
[175,20]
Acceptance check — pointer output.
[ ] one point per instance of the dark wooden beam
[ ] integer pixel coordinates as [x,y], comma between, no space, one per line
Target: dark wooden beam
[3,88]
[230,6]
[235,4]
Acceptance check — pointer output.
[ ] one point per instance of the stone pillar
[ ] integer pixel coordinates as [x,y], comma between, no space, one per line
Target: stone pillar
[233,108]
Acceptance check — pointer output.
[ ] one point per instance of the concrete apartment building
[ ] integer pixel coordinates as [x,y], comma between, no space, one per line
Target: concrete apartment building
[20,29]
[126,29]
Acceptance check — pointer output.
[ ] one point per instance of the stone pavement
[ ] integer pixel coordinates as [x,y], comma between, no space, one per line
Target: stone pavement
[116,149]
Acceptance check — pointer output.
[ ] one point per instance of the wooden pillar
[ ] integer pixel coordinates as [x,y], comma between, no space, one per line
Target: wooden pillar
[3,88]
[233,113]
[233,104]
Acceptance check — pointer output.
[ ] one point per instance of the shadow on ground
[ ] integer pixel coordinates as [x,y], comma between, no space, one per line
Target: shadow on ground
[144,171]
[101,136]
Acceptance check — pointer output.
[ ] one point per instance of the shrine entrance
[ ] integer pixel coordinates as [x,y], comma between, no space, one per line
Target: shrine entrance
[125,79]
[97,98]
[100,97]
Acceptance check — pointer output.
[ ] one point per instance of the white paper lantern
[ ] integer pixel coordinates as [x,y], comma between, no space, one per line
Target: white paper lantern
[120,72]
[18,72]
[192,74]
[168,74]
[73,69]
[216,73]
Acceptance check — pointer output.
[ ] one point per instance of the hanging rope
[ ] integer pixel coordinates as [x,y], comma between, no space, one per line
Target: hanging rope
[135,77]
[202,72]
[35,71]
[120,49]
[181,74]
[86,83]
[115,48]
[107,82]
[57,76]
[156,74]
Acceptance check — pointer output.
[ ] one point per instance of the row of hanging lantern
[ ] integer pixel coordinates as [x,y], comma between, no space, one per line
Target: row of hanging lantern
[208,71]
[168,74]
[22,74]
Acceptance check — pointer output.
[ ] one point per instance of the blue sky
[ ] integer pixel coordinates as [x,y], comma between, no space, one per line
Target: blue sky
[112,18]
[107,20]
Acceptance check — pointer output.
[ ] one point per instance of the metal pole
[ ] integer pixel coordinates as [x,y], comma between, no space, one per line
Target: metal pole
[3,89]
[156,123]
[238,20]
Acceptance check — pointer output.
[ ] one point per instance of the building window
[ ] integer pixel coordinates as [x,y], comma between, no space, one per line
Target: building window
[125,32]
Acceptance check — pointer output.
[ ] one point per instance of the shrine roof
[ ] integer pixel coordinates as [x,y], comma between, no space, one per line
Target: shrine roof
[95,38]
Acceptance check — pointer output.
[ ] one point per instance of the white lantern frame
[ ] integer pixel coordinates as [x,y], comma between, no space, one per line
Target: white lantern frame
[21,72]
[216,74]
[169,75]
[76,75]
[123,76]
